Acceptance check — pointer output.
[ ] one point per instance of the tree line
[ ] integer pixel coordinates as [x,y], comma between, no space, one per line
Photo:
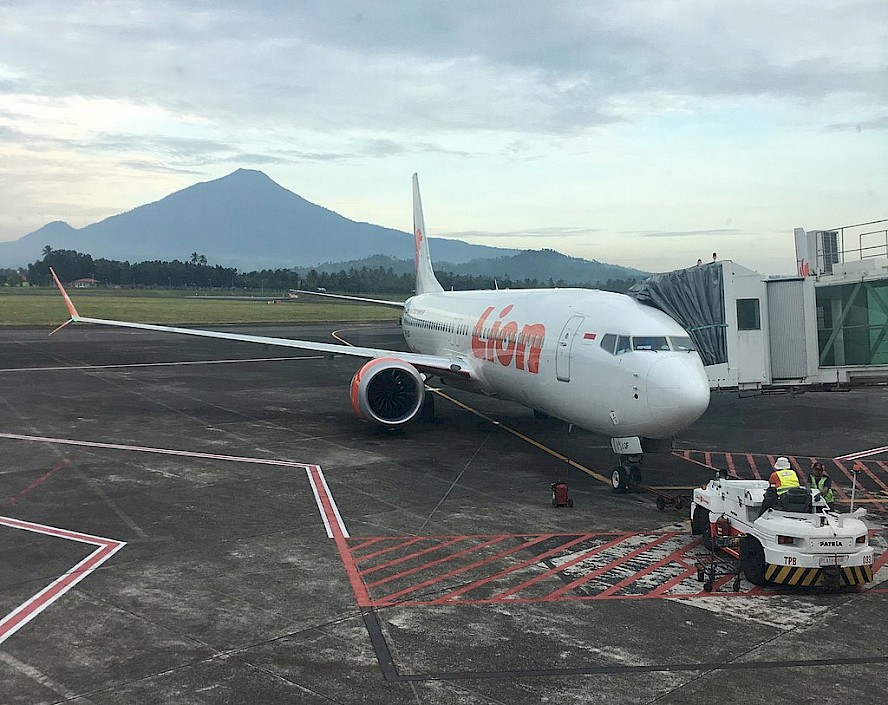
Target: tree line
[70,266]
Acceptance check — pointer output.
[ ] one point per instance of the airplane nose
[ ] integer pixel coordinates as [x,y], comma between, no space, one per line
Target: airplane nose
[677,392]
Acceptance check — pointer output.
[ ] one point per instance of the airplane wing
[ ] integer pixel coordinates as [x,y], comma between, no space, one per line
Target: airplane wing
[430,364]
[263,299]
[344,297]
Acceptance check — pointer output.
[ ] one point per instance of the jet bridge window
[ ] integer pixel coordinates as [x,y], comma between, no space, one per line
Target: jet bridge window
[748,316]
[649,342]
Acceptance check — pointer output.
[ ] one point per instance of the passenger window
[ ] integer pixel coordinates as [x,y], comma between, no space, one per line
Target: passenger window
[622,344]
[608,342]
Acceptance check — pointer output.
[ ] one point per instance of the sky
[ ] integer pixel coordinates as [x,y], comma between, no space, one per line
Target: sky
[646,134]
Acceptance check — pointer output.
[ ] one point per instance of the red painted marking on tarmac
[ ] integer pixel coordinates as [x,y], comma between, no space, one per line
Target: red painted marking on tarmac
[671,583]
[364,544]
[511,569]
[339,534]
[707,458]
[687,456]
[875,478]
[439,561]
[416,554]
[863,453]
[35,484]
[382,552]
[730,460]
[610,566]
[458,571]
[29,609]
[879,562]
[753,466]
[838,489]
[554,571]
[673,557]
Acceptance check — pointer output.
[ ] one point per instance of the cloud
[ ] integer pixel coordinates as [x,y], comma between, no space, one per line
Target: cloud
[689,233]
[651,117]
[549,68]
[875,123]
[553,232]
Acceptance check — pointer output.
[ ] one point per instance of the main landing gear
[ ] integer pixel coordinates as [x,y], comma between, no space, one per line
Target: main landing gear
[626,476]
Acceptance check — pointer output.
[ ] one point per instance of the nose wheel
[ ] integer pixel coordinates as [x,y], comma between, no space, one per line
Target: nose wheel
[627,475]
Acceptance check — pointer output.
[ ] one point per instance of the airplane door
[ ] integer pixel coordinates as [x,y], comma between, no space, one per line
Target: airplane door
[565,342]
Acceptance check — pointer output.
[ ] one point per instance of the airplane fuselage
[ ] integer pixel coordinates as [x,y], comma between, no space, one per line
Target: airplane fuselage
[596,359]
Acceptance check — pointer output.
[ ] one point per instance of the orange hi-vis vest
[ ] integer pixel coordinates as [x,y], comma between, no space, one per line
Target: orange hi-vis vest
[784,480]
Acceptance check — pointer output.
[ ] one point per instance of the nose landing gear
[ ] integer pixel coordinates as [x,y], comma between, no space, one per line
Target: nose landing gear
[626,476]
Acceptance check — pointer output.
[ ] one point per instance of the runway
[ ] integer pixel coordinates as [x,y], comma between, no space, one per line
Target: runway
[242,537]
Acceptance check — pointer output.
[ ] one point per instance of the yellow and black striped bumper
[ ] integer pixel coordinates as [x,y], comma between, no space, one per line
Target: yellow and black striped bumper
[810,577]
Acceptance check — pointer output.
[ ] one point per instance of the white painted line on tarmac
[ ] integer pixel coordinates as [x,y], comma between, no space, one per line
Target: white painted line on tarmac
[29,609]
[37,676]
[326,504]
[316,477]
[157,364]
[161,451]
[863,453]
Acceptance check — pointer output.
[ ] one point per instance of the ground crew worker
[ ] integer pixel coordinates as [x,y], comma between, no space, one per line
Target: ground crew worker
[782,479]
[822,482]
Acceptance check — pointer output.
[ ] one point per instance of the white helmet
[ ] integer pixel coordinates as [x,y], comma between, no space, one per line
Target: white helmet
[781,464]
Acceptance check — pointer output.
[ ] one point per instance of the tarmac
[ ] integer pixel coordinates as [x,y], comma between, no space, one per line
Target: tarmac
[202,521]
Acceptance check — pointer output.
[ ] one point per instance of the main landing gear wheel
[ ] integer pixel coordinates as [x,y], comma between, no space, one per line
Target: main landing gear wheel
[752,560]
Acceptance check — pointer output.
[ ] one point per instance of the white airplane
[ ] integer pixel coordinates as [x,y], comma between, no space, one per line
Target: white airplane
[595,359]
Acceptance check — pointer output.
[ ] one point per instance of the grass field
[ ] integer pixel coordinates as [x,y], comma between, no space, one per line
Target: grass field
[44,307]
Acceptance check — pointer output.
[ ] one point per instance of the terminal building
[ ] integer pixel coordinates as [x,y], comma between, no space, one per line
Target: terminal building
[825,325]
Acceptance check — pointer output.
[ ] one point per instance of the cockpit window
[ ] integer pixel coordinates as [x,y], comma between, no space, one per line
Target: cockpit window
[608,341]
[649,342]
[682,343]
[622,345]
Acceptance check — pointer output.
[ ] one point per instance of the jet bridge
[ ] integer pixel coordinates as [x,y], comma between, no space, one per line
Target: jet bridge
[825,325]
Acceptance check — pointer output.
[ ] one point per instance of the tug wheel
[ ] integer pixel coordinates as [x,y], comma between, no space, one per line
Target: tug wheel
[752,560]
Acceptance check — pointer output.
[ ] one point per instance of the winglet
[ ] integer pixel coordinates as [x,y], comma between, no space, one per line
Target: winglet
[68,302]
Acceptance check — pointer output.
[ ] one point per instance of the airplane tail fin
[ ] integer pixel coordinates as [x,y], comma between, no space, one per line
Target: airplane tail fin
[426,282]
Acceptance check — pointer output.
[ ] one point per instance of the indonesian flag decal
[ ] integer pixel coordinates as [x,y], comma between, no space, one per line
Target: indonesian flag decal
[589,336]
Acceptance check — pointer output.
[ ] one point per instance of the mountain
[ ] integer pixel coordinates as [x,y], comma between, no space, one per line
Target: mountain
[242,220]
[541,265]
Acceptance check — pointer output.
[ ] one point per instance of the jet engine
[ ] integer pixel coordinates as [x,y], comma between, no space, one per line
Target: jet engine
[387,391]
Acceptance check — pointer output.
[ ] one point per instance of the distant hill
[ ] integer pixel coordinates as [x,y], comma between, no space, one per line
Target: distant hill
[541,265]
[242,220]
